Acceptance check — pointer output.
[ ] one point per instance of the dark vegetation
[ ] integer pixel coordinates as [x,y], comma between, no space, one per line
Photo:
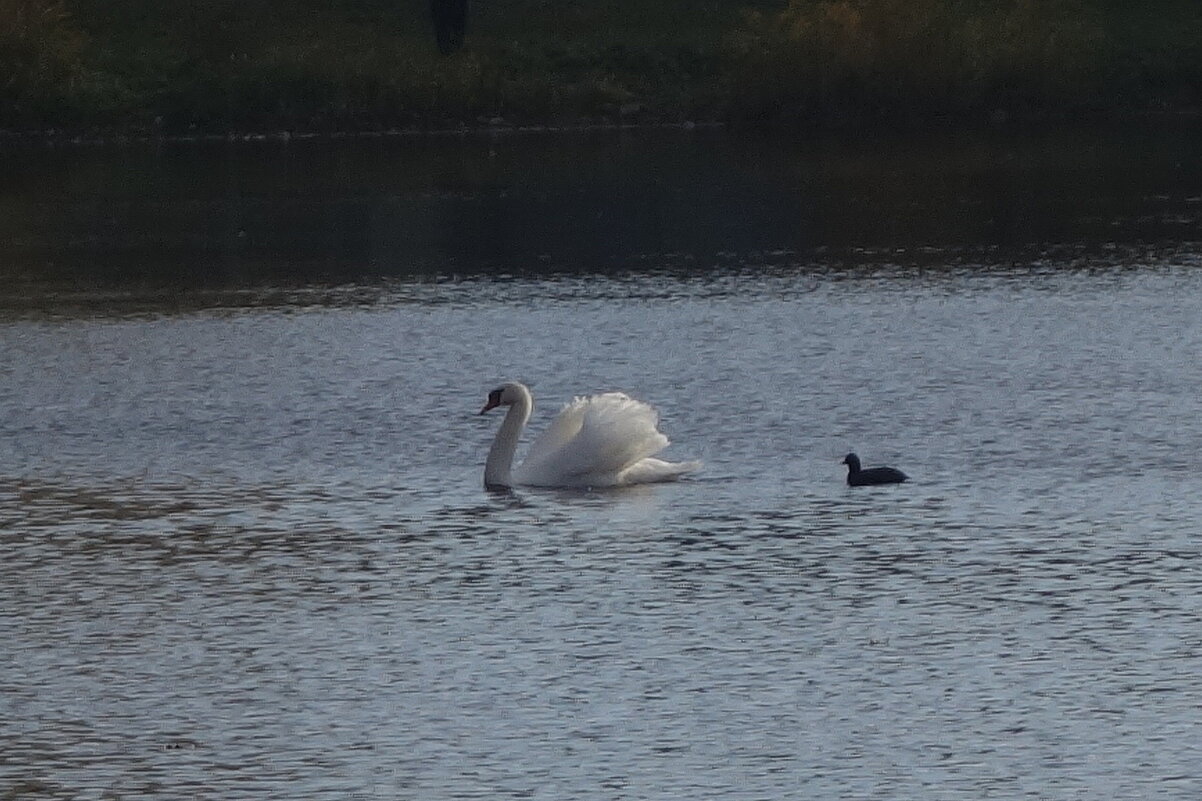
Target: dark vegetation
[141,66]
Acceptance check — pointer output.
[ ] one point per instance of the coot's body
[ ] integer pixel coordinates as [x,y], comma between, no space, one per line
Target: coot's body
[858,477]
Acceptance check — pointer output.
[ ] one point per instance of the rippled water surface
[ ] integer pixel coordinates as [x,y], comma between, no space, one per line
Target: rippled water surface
[246,550]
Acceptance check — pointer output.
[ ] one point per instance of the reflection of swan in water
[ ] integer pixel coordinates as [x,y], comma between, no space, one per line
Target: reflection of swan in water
[599,441]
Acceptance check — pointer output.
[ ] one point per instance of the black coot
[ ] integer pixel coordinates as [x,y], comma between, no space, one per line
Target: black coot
[873,475]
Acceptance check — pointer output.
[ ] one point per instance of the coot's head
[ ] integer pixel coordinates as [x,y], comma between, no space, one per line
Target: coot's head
[852,461]
[505,395]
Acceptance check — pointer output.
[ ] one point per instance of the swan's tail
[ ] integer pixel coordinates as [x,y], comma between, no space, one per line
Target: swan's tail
[650,471]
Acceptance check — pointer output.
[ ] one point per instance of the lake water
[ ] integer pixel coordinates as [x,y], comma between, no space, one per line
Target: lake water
[247,553]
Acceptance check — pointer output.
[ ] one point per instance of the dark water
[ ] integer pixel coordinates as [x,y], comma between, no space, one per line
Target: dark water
[246,552]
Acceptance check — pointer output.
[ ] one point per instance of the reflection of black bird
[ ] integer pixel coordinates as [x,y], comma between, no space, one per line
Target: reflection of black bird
[873,475]
[450,23]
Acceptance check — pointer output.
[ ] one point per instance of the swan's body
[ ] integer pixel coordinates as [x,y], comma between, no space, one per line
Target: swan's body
[599,441]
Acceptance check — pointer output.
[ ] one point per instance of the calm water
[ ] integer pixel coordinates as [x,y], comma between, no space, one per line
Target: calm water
[247,554]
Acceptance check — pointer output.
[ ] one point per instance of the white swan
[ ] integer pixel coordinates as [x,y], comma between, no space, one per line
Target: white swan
[599,441]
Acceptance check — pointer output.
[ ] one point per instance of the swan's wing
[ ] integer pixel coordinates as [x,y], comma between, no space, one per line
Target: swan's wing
[563,428]
[617,432]
[593,440]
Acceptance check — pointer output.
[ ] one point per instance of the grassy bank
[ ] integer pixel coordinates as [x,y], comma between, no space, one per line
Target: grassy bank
[217,65]
[969,58]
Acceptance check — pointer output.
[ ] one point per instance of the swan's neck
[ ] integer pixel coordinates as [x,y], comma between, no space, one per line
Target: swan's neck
[498,469]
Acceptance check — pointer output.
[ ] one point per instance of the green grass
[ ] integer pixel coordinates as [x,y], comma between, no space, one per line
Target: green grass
[218,65]
[924,58]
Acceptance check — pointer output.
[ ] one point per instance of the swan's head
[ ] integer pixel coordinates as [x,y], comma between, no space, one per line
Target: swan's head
[507,394]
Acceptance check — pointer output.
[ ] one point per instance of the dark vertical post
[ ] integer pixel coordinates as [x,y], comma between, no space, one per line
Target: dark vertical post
[450,23]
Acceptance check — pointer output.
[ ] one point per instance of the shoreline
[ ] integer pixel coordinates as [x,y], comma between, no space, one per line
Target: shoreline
[498,127]
[56,137]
